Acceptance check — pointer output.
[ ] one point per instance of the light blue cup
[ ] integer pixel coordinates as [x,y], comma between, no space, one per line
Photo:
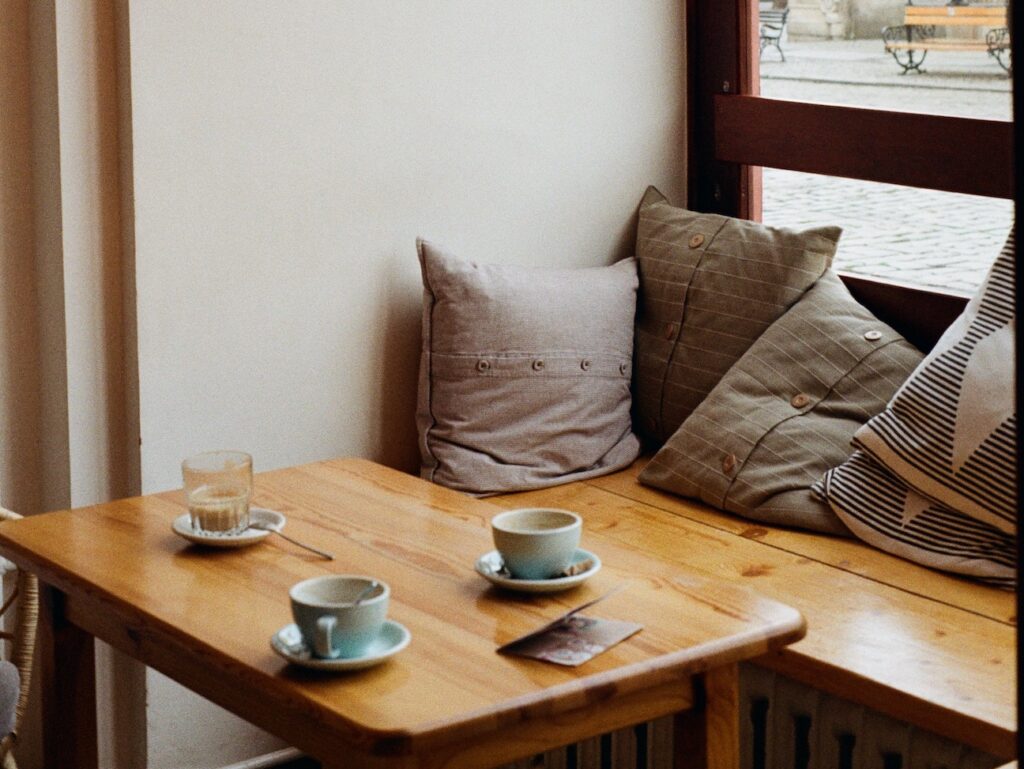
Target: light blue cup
[536,542]
[330,621]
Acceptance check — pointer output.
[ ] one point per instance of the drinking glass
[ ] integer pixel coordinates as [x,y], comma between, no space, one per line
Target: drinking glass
[218,485]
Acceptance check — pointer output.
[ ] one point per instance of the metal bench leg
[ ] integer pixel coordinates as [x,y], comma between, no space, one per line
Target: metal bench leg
[908,63]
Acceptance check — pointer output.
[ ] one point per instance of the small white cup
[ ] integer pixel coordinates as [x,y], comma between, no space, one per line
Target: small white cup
[536,542]
[331,623]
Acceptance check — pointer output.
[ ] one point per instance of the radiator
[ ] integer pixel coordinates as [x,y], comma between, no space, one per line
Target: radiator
[787,725]
[644,746]
[783,725]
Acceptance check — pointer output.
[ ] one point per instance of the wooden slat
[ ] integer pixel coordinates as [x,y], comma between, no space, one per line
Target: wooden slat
[958,21]
[903,652]
[953,15]
[939,45]
[937,152]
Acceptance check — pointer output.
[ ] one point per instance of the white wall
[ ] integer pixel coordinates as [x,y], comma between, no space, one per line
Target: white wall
[287,154]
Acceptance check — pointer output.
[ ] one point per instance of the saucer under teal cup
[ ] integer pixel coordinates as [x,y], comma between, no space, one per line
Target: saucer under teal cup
[536,542]
[332,624]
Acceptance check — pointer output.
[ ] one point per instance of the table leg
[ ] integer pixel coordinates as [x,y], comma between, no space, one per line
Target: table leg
[708,736]
[67,671]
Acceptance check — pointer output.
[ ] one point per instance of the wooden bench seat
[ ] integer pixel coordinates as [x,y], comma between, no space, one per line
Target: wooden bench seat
[910,42]
[914,644]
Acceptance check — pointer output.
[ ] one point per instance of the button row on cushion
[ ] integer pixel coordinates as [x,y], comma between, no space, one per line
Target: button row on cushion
[526,365]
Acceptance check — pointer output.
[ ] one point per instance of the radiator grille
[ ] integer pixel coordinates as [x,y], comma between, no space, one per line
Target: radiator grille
[787,725]
[644,746]
[783,725]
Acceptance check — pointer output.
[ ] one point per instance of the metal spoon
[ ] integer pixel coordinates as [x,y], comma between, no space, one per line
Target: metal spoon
[310,548]
[365,593]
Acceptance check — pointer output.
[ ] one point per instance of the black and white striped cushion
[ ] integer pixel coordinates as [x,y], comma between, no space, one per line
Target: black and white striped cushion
[881,510]
[950,430]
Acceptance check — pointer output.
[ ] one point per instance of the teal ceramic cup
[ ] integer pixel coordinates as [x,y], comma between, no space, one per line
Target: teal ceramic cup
[536,542]
[330,621]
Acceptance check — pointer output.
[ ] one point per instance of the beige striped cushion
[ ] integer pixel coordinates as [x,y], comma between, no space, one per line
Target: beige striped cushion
[951,430]
[709,286]
[883,511]
[935,480]
[785,413]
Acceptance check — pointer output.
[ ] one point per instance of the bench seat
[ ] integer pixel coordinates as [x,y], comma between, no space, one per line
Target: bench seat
[918,645]
[917,33]
[940,44]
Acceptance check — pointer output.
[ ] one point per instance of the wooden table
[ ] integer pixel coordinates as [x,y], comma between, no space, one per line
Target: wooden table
[204,617]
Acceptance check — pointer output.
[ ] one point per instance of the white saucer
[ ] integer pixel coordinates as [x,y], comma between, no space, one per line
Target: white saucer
[490,566]
[288,643]
[182,526]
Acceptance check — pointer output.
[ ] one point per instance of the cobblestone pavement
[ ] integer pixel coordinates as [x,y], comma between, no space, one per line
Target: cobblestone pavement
[917,236]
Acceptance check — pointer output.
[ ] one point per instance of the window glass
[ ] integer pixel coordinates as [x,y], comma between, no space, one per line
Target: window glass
[834,53]
[910,235]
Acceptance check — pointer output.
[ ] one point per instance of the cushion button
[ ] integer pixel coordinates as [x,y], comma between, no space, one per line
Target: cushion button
[873,336]
[670,331]
[799,400]
[538,365]
[696,241]
[728,463]
[585,364]
[623,368]
[483,365]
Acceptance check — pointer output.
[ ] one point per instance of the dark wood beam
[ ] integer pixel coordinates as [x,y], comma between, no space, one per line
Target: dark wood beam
[938,152]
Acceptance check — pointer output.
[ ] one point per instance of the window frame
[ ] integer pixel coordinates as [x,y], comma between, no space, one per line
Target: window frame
[735,132]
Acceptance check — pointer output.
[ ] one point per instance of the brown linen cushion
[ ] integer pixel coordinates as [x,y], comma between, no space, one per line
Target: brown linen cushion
[524,373]
[709,286]
[786,411]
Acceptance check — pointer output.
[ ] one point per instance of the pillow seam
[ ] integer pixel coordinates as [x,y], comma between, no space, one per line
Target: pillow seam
[682,322]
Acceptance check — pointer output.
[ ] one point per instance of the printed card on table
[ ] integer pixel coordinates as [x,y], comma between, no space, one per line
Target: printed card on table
[572,639]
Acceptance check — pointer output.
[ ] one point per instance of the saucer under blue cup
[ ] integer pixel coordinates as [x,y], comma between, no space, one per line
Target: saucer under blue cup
[491,567]
[289,643]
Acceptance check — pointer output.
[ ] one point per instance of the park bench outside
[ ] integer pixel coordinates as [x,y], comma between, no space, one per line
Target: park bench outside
[910,42]
[773,24]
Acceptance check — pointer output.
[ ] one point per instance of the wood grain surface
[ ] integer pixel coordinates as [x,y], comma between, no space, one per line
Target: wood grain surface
[917,644]
[205,617]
